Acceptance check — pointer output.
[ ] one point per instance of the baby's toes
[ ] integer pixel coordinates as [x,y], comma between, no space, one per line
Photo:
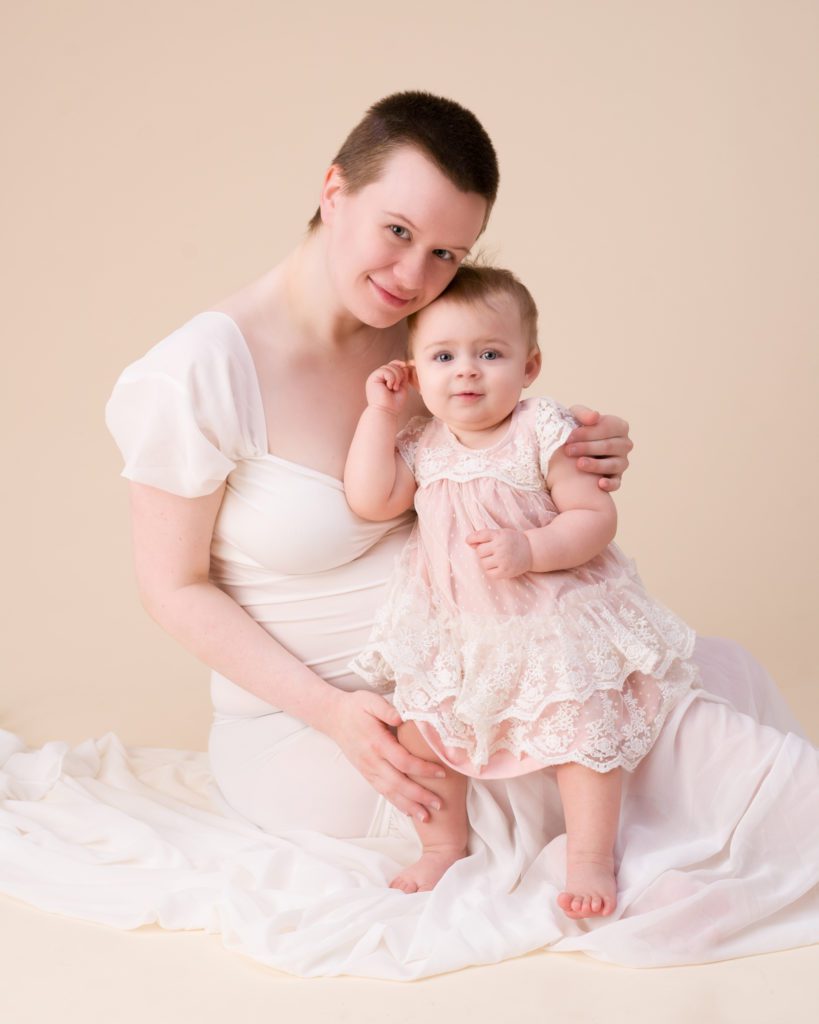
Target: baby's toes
[404,884]
[564,901]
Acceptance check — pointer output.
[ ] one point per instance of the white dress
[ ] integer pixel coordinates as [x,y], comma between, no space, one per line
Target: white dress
[289,857]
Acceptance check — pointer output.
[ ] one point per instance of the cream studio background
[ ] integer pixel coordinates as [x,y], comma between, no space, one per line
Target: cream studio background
[658,194]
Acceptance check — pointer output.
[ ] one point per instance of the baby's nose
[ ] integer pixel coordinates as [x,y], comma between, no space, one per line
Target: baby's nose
[468,368]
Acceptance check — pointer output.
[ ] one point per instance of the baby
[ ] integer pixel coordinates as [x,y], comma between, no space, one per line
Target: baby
[518,637]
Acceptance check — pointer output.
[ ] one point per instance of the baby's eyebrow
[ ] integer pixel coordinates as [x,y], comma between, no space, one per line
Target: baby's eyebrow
[403,217]
[449,343]
[497,342]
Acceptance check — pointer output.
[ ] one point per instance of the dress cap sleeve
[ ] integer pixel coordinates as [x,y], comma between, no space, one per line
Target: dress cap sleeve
[186,412]
[553,424]
[407,439]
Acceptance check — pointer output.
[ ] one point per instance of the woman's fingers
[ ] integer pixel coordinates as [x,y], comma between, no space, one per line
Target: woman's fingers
[361,730]
[604,467]
[384,711]
[616,446]
[410,764]
[605,427]
[408,796]
[584,414]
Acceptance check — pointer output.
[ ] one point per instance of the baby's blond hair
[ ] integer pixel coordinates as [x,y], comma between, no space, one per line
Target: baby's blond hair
[476,283]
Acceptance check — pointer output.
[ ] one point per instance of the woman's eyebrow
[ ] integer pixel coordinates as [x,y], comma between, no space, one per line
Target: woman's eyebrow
[408,222]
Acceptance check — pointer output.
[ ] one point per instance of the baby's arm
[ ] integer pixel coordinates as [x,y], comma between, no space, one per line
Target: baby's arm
[378,483]
[586,523]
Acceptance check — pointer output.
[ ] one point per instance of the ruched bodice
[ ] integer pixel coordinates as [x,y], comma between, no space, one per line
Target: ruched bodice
[290,551]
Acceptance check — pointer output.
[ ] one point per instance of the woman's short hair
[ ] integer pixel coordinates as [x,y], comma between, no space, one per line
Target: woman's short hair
[478,283]
[449,134]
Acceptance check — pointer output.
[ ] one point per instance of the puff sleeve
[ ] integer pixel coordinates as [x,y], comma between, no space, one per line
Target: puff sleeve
[553,424]
[186,412]
[408,439]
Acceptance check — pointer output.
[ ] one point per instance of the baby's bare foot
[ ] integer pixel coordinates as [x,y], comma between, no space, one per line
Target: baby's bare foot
[424,874]
[591,886]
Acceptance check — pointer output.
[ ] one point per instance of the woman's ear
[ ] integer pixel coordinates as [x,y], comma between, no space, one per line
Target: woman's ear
[532,368]
[330,191]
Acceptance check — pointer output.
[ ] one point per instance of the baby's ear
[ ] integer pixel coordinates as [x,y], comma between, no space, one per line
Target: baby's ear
[532,369]
[413,376]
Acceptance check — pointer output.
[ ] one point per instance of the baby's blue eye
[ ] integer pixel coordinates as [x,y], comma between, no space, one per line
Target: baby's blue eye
[442,357]
[399,231]
[490,354]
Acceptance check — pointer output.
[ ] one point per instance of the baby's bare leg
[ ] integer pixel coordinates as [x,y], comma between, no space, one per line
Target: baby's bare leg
[591,805]
[444,835]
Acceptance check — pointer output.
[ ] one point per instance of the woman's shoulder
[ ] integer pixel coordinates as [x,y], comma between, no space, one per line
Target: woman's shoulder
[189,409]
[208,344]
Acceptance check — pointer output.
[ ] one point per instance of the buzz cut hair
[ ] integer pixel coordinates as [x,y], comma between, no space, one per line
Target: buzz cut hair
[441,129]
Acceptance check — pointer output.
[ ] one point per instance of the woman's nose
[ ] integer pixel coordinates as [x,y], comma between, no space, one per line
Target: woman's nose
[409,272]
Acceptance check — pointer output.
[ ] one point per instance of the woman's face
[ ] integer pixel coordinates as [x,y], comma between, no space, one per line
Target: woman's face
[395,244]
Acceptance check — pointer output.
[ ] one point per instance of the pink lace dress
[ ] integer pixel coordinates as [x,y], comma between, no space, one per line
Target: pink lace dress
[504,677]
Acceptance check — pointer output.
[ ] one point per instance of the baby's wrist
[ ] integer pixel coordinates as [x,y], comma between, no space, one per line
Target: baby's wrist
[536,560]
[384,410]
[530,552]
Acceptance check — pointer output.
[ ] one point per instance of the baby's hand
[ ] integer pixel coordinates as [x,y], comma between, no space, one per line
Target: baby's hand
[388,386]
[504,554]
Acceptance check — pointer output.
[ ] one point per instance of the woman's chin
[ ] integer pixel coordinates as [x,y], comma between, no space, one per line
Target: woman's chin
[382,318]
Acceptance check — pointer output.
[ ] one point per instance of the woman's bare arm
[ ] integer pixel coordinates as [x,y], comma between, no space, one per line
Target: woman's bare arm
[172,538]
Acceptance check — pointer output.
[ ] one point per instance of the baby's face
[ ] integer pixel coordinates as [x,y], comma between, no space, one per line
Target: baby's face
[472,361]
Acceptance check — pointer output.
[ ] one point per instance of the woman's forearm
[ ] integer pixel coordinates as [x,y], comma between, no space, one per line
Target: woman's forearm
[218,631]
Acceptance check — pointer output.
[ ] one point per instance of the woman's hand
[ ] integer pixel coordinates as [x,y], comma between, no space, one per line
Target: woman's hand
[360,726]
[388,386]
[601,445]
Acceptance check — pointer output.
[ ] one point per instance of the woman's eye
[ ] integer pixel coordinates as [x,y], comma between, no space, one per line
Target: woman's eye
[398,231]
[442,357]
[443,254]
[490,354]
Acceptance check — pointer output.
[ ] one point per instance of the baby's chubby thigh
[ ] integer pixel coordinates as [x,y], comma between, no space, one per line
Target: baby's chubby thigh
[282,774]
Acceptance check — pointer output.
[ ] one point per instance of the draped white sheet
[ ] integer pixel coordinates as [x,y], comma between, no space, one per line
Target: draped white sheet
[718,852]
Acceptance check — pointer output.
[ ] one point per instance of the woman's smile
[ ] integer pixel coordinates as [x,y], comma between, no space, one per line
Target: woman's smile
[396,301]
